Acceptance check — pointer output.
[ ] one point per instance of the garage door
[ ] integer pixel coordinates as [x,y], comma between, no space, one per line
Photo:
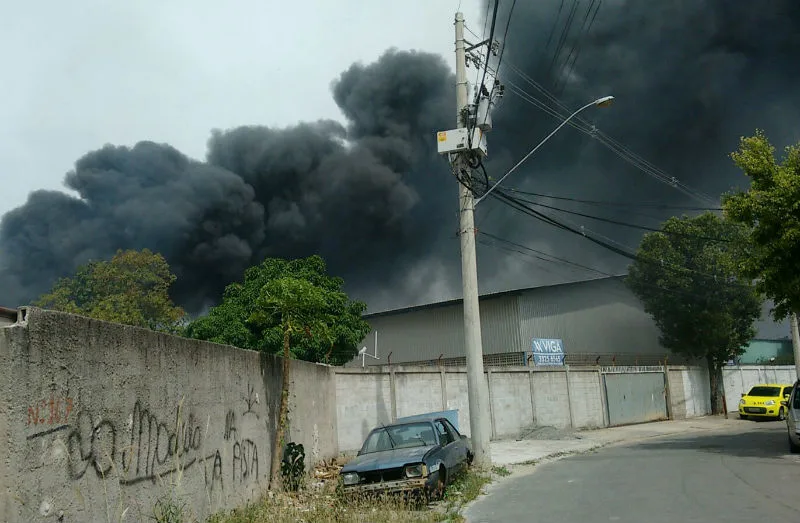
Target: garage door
[635,398]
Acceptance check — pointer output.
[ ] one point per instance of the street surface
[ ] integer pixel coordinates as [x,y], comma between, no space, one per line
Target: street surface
[742,473]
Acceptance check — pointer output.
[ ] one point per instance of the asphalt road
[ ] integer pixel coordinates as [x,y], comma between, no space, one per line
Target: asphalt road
[745,475]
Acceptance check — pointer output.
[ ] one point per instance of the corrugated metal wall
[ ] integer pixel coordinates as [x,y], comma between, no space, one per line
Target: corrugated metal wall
[427,333]
[599,317]
[591,317]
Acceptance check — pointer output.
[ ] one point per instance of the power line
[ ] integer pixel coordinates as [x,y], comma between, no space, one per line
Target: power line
[582,231]
[505,36]
[581,124]
[491,40]
[607,243]
[527,256]
[680,292]
[576,49]
[616,147]
[542,253]
[651,205]
[621,223]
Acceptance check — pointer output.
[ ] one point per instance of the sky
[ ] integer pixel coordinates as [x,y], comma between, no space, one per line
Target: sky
[92,72]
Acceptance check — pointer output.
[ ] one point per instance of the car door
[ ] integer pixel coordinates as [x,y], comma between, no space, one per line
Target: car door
[447,441]
[460,449]
[792,407]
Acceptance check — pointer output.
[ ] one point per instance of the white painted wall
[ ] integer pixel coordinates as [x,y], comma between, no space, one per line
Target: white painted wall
[740,379]
[521,397]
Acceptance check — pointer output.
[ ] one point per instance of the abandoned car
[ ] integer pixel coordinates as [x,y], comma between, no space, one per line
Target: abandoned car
[421,456]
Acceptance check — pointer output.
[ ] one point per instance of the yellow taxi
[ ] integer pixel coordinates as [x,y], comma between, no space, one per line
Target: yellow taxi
[764,401]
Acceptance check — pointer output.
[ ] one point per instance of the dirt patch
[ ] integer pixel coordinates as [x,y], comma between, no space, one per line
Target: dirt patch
[548,433]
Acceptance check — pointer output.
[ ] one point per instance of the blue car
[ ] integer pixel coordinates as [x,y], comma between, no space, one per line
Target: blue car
[423,455]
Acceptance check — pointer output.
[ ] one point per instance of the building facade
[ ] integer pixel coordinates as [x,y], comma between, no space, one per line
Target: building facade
[599,322]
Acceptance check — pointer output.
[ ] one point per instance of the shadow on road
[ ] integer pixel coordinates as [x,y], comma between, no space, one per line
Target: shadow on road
[758,440]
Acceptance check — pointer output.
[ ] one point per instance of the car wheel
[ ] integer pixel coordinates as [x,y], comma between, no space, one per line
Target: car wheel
[742,416]
[437,491]
[781,414]
[794,449]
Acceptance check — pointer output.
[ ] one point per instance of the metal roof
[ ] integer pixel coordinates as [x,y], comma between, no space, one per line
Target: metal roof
[8,316]
[485,297]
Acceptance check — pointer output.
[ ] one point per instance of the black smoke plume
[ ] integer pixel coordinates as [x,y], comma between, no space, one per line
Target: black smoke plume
[365,196]
[689,79]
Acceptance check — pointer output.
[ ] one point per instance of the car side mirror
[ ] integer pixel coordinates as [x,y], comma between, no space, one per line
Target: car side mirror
[744,394]
[785,403]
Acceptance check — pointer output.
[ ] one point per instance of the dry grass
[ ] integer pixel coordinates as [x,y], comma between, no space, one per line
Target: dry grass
[324,505]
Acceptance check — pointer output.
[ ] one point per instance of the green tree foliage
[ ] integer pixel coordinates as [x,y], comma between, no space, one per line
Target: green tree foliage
[132,288]
[301,308]
[771,207]
[686,277]
[251,313]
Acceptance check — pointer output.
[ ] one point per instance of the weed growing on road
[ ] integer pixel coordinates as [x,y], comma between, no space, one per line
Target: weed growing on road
[501,471]
[463,490]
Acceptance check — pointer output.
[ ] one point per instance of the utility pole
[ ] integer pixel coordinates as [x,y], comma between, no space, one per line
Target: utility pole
[795,343]
[476,383]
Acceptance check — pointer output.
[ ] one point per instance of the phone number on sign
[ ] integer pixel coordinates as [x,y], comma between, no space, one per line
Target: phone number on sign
[549,358]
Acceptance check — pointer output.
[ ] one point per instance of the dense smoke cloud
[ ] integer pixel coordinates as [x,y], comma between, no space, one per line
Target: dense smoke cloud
[689,80]
[361,196]
[374,199]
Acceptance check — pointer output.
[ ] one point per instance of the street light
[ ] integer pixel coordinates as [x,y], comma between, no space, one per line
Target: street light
[600,102]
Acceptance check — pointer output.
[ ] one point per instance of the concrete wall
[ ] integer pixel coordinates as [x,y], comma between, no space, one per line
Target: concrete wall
[520,397]
[740,379]
[99,420]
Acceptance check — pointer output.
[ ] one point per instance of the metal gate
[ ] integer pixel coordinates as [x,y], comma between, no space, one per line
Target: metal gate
[635,397]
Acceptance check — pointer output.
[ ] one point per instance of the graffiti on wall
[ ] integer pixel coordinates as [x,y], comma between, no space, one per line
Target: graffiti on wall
[152,445]
[53,412]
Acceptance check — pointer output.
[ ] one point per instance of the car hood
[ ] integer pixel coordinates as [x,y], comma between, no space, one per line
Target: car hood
[759,400]
[387,459]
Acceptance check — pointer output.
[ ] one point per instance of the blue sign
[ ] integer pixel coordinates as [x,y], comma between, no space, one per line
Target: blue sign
[547,352]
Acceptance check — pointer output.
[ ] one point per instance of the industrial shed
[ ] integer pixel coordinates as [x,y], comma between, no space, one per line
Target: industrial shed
[599,322]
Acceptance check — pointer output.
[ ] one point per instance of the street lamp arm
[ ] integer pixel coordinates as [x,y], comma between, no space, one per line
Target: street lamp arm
[600,102]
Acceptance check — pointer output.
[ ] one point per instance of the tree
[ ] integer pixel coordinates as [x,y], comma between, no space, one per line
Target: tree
[687,278]
[298,307]
[771,208]
[132,288]
[236,321]
[292,308]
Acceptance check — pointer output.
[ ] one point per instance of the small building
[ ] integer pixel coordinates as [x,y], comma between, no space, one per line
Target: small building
[767,352]
[598,321]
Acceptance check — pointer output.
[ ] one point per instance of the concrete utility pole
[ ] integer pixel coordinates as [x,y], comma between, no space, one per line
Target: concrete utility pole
[795,343]
[477,388]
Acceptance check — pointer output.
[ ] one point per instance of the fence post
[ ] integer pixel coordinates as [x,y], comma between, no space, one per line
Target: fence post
[491,401]
[603,399]
[668,391]
[569,399]
[533,399]
[393,394]
[443,377]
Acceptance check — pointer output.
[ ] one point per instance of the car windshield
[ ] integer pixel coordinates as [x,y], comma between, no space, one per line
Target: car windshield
[765,392]
[399,436]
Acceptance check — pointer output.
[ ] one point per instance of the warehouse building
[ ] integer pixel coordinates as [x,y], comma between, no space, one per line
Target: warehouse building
[597,321]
